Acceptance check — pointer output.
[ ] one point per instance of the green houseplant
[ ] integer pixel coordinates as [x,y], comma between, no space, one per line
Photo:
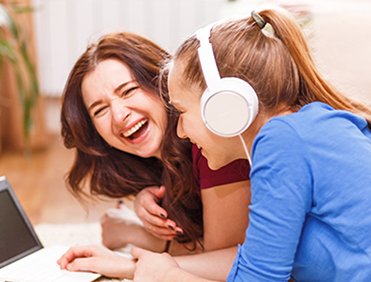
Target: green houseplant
[14,49]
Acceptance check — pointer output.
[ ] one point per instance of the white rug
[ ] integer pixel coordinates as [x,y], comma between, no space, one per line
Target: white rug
[71,235]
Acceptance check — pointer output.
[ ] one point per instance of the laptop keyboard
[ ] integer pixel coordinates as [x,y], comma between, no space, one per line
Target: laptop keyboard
[40,267]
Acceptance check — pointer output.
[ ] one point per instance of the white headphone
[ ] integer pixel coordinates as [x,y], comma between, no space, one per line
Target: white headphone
[229,104]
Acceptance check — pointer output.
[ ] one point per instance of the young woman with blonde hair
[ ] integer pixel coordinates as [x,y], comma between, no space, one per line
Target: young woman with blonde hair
[310,146]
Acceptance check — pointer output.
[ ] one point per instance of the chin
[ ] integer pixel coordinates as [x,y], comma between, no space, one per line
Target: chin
[215,165]
[145,156]
[148,154]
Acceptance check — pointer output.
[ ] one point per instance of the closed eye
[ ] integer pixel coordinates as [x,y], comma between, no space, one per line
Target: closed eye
[98,111]
[178,112]
[130,91]
[174,109]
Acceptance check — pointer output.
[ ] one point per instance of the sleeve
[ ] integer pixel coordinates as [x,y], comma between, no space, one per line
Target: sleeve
[281,185]
[205,177]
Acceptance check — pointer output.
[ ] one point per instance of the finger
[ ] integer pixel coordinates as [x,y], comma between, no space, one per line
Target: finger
[153,220]
[108,215]
[103,218]
[172,225]
[153,208]
[168,224]
[164,237]
[137,252]
[158,226]
[64,260]
[72,254]
[160,192]
[161,232]
[82,264]
[167,238]
[119,203]
[179,231]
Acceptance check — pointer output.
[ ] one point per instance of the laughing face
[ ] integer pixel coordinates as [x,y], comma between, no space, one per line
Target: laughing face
[127,117]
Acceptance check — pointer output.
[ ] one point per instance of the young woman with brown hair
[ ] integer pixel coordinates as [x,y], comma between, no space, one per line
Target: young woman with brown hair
[125,141]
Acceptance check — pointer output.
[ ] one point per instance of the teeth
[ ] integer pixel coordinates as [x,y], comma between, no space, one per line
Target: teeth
[135,128]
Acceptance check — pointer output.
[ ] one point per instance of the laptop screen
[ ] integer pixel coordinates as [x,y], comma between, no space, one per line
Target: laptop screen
[17,237]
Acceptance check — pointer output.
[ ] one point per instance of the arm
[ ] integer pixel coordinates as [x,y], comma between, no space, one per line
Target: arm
[225,215]
[281,186]
[99,260]
[153,267]
[120,226]
[225,218]
[214,265]
[150,230]
[225,210]
[225,204]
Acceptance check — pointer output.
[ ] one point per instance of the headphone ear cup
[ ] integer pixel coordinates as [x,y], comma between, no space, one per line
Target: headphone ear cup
[231,108]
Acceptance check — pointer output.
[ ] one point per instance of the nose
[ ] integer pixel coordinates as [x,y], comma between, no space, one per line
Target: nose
[179,129]
[120,111]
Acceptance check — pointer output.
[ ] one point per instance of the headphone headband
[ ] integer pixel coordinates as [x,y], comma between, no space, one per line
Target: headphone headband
[229,104]
[207,58]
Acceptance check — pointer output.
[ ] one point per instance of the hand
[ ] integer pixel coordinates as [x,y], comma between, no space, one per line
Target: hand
[153,216]
[153,267]
[97,259]
[119,225]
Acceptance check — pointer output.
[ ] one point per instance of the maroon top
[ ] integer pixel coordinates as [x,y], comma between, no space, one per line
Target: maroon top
[205,177]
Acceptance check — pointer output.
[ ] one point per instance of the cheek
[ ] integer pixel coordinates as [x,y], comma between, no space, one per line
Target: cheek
[163,117]
[157,109]
[189,127]
[102,128]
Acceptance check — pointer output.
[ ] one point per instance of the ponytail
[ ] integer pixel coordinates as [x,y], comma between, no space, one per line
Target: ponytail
[279,66]
[313,87]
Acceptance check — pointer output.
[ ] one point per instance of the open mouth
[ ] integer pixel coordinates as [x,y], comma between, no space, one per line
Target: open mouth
[137,130]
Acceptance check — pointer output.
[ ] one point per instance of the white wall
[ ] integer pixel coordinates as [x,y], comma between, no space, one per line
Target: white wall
[340,34]
[341,41]
[65,27]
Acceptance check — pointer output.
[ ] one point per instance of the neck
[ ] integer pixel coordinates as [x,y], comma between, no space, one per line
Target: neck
[260,120]
[158,155]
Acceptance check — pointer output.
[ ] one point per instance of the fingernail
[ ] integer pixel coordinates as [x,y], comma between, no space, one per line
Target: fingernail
[179,233]
[163,216]
[171,228]
[120,201]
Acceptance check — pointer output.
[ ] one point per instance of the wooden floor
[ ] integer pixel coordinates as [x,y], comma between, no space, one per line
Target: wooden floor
[39,184]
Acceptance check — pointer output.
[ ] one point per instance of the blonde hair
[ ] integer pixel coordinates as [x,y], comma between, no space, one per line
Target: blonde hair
[278,66]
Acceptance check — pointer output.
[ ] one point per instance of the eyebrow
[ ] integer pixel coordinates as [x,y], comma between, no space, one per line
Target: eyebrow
[117,90]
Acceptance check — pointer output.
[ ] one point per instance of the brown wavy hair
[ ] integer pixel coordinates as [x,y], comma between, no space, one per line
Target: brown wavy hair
[277,64]
[114,173]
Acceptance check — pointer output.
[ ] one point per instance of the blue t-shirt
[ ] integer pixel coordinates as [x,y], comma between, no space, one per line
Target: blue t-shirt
[310,213]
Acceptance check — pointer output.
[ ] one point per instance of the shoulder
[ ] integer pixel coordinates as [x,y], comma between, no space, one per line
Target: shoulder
[285,138]
[313,121]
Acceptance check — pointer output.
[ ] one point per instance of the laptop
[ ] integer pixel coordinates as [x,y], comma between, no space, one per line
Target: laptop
[22,256]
